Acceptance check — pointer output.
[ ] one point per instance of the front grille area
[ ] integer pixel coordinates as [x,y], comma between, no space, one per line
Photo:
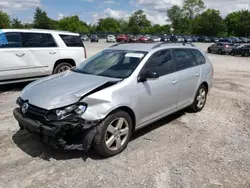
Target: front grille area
[33,111]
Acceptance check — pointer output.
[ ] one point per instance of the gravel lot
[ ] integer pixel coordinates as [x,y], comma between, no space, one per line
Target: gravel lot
[208,149]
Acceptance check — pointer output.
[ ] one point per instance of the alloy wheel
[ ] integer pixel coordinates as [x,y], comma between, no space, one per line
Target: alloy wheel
[201,98]
[117,134]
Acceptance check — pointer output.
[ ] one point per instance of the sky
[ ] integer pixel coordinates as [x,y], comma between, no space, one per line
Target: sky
[92,10]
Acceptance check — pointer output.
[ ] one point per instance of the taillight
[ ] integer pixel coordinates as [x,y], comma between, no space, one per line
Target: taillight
[226,46]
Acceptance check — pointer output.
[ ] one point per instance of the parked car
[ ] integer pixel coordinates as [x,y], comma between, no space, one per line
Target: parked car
[165,38]
[188,39]
[111,38]
[144,39]
[122,38]
[214,39]
[84,38]
[28,54]
[226,40]
[155,39]
[114,93]
[243,50]
[243,40]
[133,39]
[94,38]
[221,48]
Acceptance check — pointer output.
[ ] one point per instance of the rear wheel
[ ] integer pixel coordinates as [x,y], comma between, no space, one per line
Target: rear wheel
[113,134]
[200,99]
[220,52]
[209,50]
[62,67]
[246,54]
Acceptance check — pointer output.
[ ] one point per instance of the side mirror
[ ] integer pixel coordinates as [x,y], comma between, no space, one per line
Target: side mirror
[147,75]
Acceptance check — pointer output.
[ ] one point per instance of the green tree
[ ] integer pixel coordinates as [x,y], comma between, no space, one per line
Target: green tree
[73,24]
[4,20]
[193,7]
[15,23]
[180,23]
[41,20]
[138,22]
[238,23]
[108,24]
[209,23]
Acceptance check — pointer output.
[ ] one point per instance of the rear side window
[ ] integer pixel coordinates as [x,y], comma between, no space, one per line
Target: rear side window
[37,40]
[10,40]
[200,59]
[184,59]
[72,41]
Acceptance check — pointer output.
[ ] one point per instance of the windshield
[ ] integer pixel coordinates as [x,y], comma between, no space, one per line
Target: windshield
[112,63]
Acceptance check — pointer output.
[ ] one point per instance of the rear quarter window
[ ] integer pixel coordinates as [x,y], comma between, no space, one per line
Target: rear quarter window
[199,58]
[72,41]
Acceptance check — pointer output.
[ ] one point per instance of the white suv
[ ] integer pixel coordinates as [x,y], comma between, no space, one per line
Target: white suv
[27,54]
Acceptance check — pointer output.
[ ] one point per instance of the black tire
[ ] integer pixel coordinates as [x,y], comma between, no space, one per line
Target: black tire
[209,50]
[232,53]
[99,142]
[219,52]
[246,54]
[195,107]
[62,66]
[21,126]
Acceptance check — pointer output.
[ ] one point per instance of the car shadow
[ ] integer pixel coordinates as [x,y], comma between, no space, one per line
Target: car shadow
[13,87]
[31,144]
[158,124]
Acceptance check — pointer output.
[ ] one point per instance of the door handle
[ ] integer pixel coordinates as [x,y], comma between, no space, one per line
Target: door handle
[52,53]
[197,74]
[20,54]
[174,82]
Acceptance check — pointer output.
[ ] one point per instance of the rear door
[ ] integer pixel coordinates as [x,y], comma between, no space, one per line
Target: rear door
[42,51]
[188,73]
[14,62]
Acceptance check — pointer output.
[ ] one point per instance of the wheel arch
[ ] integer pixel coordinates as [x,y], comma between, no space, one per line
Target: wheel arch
[130,113]
[206,85]
[67,60]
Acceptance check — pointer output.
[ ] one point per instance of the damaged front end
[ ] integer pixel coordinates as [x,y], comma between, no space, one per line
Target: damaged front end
[60,128]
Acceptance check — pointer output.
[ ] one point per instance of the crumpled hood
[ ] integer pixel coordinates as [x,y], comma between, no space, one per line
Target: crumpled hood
[61,89]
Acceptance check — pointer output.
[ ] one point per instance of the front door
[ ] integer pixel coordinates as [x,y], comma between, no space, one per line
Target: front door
[158,97]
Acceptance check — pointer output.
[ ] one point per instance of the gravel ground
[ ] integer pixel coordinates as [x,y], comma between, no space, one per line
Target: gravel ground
[208,149]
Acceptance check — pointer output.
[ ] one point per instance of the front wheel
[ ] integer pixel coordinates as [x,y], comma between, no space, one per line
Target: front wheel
[200,99]
[113,134]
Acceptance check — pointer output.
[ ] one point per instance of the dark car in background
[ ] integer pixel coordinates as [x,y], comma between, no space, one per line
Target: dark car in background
[94,38]
[221,48]
[243,50]
[226,40]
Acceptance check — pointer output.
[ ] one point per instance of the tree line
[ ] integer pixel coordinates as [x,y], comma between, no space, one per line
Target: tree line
[192,18]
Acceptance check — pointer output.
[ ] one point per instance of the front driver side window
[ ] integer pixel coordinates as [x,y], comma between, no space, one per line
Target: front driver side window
[161,63]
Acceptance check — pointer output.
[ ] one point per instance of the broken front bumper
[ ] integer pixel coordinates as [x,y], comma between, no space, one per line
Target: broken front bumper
[60,134]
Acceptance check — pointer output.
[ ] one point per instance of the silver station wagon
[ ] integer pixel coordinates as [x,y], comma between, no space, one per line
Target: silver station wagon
[121,89]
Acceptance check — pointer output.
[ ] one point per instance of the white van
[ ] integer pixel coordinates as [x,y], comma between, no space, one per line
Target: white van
[27,54]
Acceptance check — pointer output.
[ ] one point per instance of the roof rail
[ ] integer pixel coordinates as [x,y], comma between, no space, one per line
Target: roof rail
[180,43]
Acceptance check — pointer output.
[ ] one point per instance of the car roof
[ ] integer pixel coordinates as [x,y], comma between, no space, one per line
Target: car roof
[149,47]
[39,31]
